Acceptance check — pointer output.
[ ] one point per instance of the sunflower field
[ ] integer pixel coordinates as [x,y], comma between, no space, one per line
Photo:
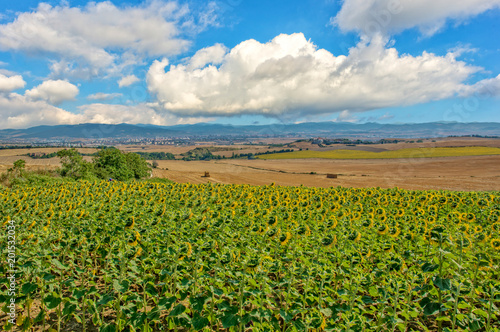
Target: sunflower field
[152,256]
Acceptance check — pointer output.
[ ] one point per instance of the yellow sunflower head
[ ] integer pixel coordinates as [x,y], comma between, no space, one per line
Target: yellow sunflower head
[495,244]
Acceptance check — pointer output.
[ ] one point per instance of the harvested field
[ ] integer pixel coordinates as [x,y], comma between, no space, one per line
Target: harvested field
[18,152]
[402,153]
[452,173]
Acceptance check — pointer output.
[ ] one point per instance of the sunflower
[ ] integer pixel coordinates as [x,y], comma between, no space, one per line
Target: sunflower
[388,247]
[332,223]
[304,230]
[329,240]
[355,236]
[273,232]
[464,242]
[442,200]
[267,258]
[186,250]
[482,203]
[394,232]
[493,218]
[355,215]
[453,217]
[284,238]
[273,221]
[252,264]
[365,253]
[463,228]
[495,244]
[367,223]
[481,237]
[382,229]
[380,211]
[409,236]
[431,219]
[432,209]
[138,253]
[469,217]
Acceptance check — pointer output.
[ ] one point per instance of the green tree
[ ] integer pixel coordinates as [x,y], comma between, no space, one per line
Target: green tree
[73,164]
[137,165]
[18,169]
[112,163]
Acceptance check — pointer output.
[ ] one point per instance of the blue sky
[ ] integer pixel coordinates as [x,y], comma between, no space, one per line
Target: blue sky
[244,62]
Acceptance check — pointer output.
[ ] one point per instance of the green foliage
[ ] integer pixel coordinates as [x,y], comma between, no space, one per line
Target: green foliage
[112,163]
[199,154]
[160,256]
[19,165]
[74,166]
[108,163]
[156,155]
[38,177]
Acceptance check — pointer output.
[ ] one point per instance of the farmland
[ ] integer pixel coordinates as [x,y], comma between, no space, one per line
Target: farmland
[463,173]
[151,256]
[394,154]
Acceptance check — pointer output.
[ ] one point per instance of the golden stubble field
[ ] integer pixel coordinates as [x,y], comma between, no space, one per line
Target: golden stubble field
[451,173]
[454,173]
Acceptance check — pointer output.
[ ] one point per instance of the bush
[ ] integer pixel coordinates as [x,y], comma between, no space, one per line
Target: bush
[14,177]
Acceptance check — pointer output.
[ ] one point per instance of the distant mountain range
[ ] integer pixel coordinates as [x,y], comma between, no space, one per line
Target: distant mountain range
[303,130]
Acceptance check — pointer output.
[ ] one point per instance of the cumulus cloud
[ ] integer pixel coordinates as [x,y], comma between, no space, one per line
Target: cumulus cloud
[370,17]
[141,113]
[104,96]
[101,38]
[11,83]
[19,111]
[209,55]
[489,87]
[127,80]
[289,76]
[53,91]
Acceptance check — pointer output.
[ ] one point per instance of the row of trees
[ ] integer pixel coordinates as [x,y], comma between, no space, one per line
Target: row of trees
[108,163]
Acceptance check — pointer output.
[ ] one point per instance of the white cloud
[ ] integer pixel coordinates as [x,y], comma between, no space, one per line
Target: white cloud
[104,96]
[18,111]
[11,83]
[346,116]
[55,92]
[289,77]
[485,88]
[370,17]
[127,80]
[209,55]
[101,38]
